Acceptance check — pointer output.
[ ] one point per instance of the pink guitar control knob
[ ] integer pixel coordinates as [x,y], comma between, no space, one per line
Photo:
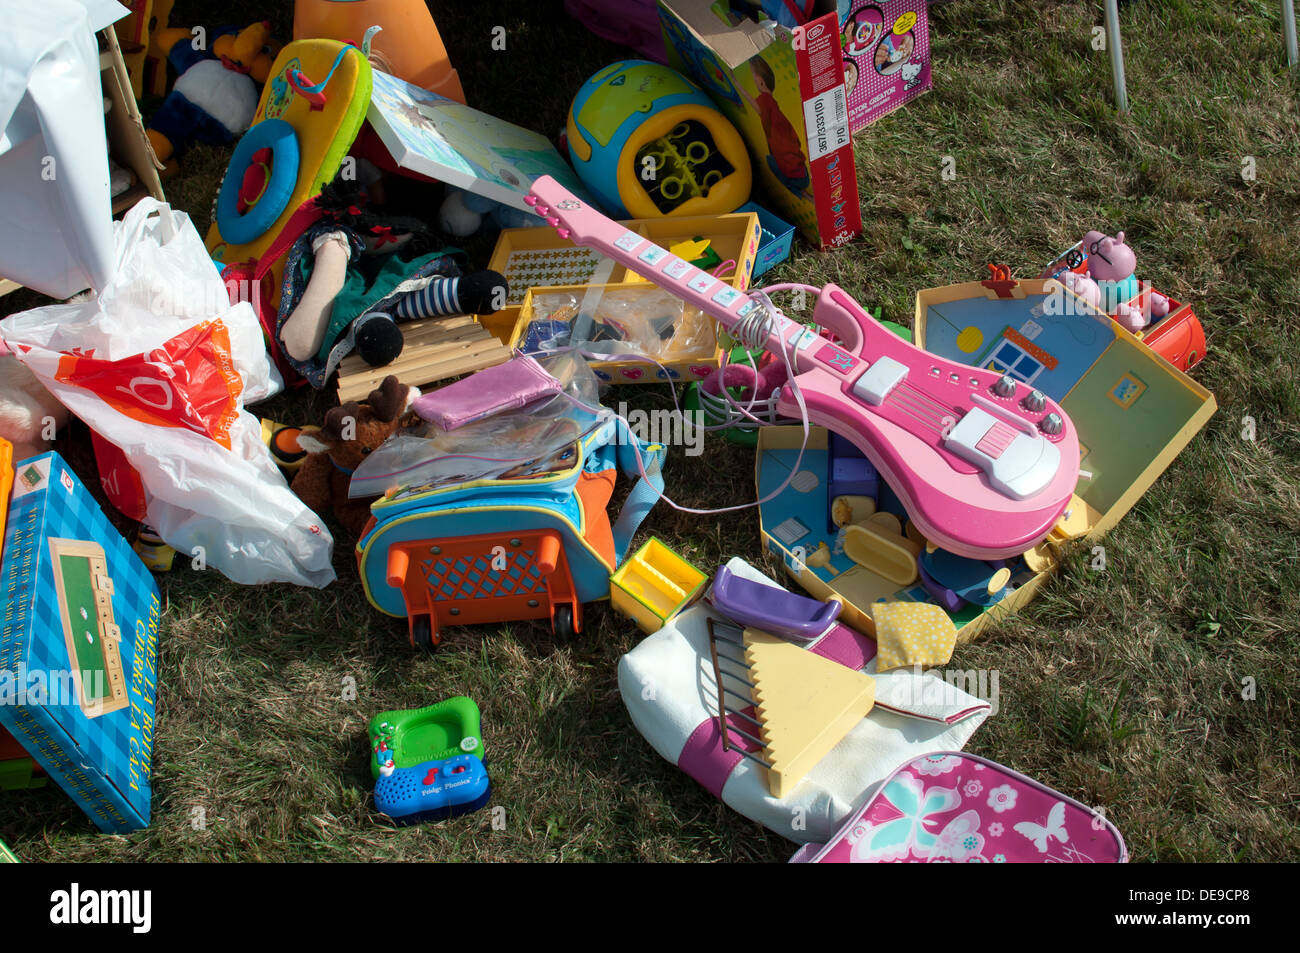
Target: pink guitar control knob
[1005,386]
[1035,402]
[1052,424]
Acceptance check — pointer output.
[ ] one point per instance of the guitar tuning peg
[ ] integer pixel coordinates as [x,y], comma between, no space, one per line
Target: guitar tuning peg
[563,232]
[530,199]
[542,209]
[552,221]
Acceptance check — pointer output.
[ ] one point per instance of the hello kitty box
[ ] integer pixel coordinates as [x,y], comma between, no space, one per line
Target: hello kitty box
[886,48]
[953,807]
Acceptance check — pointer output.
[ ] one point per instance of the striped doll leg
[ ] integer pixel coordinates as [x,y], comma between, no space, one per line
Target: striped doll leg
[483,292]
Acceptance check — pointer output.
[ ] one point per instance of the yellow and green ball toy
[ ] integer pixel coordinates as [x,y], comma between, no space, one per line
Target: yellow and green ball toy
[649,143]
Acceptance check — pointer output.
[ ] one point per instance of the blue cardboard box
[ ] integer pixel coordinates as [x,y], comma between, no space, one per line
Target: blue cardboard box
[79,645]
[775,242]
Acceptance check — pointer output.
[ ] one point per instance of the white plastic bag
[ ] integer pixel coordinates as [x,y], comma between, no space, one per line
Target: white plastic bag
[160,364]
[55,209]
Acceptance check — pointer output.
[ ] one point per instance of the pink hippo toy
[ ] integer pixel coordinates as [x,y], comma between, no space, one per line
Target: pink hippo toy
[1111,263]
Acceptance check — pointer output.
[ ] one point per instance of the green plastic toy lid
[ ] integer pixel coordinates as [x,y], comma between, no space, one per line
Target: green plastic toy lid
[435,733]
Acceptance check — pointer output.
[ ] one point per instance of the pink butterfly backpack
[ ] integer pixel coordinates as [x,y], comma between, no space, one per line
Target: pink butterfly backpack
[953,807]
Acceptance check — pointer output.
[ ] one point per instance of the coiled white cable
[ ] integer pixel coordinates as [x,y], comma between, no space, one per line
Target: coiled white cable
[755,331]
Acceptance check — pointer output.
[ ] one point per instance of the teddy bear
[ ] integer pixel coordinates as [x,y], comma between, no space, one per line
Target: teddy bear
[349,434]
[29,414]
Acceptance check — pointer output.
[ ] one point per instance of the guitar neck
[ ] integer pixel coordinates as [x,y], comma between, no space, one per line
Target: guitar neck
[585,226]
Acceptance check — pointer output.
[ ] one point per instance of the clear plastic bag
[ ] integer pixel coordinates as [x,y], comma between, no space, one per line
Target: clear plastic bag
[522,442]
[160,365]
[620,321]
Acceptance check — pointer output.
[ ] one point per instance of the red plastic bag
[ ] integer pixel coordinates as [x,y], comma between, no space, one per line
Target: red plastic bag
[122,485]
[188,382]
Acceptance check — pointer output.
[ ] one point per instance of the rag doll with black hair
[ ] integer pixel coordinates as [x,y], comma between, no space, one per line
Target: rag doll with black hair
[361,269]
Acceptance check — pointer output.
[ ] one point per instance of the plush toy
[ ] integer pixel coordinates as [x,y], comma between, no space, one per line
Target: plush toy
[1111,263]
[349,434]
[28,412]
[350,278]
[216,92]
[464,213]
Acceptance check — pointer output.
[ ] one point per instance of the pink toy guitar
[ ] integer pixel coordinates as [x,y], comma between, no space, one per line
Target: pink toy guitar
[984,465]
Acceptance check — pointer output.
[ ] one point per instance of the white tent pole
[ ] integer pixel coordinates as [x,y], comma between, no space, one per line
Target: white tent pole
[1116,47]
[1288,28]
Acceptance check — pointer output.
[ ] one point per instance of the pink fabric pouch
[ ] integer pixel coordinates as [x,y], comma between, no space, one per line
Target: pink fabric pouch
[953,807]
[509,386]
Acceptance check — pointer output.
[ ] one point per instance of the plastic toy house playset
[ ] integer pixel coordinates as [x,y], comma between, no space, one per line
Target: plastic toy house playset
[1133,412]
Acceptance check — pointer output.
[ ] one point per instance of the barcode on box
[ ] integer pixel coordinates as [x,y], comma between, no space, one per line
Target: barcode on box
[826,118]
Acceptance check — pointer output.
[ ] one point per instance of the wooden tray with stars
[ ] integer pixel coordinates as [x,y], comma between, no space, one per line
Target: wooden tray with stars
[538,258]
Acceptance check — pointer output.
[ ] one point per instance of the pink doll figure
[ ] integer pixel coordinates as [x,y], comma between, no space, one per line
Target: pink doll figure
[1111,263]
[1082,286]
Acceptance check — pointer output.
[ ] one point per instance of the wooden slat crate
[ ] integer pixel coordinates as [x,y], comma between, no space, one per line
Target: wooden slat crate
[435,349]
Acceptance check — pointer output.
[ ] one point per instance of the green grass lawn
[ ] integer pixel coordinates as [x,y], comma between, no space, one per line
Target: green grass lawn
[1122,688]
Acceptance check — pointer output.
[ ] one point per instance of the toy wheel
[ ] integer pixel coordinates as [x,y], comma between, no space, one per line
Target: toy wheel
[267,159]
[422,634]
[562,625]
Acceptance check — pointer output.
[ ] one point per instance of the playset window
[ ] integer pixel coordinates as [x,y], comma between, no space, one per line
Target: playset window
[1126,392]
[1009,358]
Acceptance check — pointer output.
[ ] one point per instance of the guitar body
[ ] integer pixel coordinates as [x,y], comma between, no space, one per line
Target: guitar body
[912,436]
[983,464]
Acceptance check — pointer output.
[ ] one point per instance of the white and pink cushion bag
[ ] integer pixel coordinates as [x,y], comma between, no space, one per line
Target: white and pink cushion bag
[949,806]
[668,686]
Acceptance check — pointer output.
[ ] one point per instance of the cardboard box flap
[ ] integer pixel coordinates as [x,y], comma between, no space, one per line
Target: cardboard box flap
[737,44]
[733,44]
